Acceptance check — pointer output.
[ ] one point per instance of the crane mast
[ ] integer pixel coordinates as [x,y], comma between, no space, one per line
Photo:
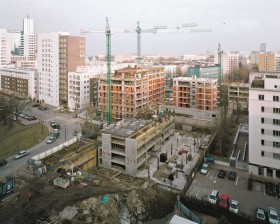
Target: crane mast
[220,52]
[108,52]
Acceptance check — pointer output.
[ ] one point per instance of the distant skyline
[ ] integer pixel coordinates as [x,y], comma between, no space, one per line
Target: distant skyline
[247,23]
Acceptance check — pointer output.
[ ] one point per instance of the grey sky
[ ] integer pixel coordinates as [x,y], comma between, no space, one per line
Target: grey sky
[248,22]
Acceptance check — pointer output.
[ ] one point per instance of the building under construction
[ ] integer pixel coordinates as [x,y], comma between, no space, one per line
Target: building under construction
[132,90]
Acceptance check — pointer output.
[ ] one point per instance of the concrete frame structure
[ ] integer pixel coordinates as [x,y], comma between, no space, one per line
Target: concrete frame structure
[132,89]
[21,82]
[238,96]
[264,125]
[5,47]
[195,93]
[130,143]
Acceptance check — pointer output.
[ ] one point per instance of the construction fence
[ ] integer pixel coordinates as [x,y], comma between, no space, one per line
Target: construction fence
[55,149]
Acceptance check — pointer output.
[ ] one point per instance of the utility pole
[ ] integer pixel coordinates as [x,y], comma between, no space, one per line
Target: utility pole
[108,46]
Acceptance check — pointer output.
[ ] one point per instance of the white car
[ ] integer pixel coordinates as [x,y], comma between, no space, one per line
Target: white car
[204,169]
[213,197]
[234,206]
[272,216]
[21,154]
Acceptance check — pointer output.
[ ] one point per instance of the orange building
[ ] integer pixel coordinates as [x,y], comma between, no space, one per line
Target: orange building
[195,93]
[132,89]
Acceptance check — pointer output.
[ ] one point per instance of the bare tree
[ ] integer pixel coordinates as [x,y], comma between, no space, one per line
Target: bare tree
[19,104]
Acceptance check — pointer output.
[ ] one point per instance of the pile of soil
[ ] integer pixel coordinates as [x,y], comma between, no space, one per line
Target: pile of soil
[107,203]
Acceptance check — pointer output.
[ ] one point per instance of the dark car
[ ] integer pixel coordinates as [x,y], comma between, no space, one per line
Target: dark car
[3,162]
[278,190]
[221,173]
[55,126]
[270,189]
[232,175]
[31,118]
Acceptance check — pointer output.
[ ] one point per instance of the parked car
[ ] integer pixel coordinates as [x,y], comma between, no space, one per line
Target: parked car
[204,169]
[270,189]
[31,118]
[3,162]
[272,216]
[278,190]
[234,206]
[52,123]
[260,215]
[22,114]
[21,154]
[214,197]
[221,173]
[55,133]
[232,175]
[51,140]
[56,126]
[224,201]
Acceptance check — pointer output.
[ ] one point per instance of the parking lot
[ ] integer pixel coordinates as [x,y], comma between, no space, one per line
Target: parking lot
[202,186]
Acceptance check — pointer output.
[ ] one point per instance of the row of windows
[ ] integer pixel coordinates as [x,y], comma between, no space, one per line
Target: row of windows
[275,98]
[275,155]
[275,144]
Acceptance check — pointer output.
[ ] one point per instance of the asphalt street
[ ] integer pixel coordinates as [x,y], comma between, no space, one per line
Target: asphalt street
[67,124]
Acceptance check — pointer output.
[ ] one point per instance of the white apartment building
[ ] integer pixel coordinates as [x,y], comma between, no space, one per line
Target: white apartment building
[264,125]
[229,62]
[48,67]
[5,47]
[19,81]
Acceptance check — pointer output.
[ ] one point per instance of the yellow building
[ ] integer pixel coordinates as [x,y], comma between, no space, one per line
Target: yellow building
[269,62]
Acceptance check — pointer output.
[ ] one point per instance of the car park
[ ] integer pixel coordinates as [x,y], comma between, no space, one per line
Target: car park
[221,173]
[213,197]
[224,201]
[51,140]
[204,169]
[270,189]
[232,175]
[273,216]
[234,206]
[21,154]
[3,162]
[260,215]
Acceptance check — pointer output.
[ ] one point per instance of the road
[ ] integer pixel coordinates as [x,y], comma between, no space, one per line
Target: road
[67,127]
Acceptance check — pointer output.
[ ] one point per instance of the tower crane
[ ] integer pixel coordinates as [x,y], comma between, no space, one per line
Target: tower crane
[220,52]
[162,29]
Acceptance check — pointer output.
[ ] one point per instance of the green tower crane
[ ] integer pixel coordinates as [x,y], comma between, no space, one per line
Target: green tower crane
[108,52]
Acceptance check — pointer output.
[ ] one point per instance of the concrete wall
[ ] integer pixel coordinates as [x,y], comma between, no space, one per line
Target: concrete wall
[130,156]
[106,150]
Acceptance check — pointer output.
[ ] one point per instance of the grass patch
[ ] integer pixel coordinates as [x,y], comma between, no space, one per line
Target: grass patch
[15,137]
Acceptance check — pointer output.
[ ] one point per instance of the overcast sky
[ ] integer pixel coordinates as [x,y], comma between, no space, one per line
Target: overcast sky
[247,23]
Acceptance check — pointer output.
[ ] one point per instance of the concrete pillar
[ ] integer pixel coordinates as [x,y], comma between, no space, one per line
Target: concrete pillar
[265,172]
[274,174]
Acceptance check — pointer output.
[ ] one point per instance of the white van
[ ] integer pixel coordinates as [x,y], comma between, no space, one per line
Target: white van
[213,197]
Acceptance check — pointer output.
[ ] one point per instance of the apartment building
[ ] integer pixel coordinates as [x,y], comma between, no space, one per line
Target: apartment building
[204,71]
[130,143]
[132,90]
[58,54]
[72,53]
[238,95]
[195,93]
[264,125]
[21,82]
[5,47]
[269,62]
[229,62]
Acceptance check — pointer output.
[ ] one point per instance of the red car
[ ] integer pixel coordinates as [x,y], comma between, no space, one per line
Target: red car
[224,201]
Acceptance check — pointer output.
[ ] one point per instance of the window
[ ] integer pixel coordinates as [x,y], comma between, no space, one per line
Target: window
[276,156]
[262,109]
[276,98]
[262,153]
[262,142]
[276,144]
[262,131]
[262,120]
[276,110]
[261,97]
[276,121]
[276,133]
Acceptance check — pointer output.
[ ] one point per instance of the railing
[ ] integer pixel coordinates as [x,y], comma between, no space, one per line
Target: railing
[55,149]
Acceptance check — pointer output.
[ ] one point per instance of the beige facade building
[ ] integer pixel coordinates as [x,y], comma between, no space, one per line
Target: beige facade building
[132,90]
[269,62]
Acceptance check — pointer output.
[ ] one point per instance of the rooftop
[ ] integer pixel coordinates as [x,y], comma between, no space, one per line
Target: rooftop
[126,127]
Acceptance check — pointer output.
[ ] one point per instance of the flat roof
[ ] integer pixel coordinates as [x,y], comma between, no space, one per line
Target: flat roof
[126,127]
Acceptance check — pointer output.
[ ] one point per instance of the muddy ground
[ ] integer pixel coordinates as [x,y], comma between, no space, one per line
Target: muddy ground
[48,199]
